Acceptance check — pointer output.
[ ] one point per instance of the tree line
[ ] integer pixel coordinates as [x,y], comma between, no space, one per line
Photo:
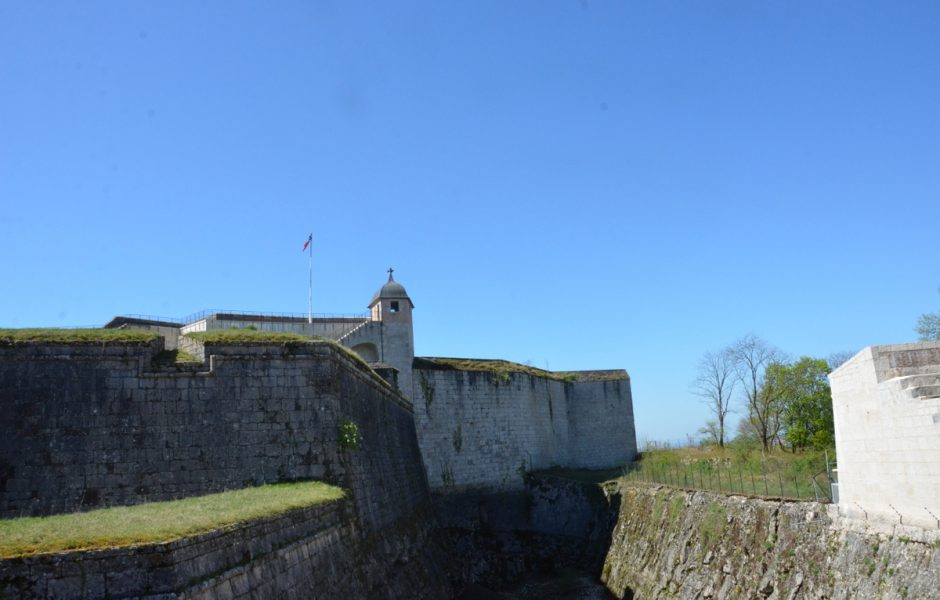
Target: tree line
[784,403]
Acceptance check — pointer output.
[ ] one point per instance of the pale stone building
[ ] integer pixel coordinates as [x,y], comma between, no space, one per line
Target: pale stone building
[886,407]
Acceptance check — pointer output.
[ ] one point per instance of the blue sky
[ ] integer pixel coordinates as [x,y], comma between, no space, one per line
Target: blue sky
[574,184]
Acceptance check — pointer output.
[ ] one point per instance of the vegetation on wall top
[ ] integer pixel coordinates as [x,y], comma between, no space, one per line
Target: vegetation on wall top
[502,368]
[247,336]
[157,522]
[11,337]
[254,336]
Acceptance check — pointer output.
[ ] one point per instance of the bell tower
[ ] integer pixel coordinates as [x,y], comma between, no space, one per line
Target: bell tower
[391,303]
[391,310]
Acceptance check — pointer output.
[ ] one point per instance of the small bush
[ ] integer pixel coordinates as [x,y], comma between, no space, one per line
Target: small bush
[349,436]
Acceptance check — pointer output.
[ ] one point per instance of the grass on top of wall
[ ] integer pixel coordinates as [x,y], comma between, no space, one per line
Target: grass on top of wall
[248,336]
[502,368]
[156,522]
[255,336]
[10,337]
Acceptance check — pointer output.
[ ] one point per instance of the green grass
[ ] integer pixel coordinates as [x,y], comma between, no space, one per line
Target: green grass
[736,469]
[503,368]
[11,337]
[248,336]
[156,522]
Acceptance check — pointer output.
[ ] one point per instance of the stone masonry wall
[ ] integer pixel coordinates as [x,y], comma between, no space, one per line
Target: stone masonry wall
[670,543]
[85,426]
[485,430]
[313,552]
[601,429]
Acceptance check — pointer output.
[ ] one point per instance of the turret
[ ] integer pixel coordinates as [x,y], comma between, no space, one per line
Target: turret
[389,336]
[391,303]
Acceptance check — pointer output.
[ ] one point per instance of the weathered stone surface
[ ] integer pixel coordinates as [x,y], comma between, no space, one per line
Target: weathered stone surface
[317,552]
[90,426]
[676,544]
[484,431]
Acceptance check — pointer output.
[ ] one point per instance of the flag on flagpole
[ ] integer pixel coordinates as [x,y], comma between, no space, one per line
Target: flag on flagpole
[307,243]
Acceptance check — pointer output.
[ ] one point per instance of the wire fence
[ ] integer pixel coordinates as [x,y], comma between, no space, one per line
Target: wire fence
[731,479]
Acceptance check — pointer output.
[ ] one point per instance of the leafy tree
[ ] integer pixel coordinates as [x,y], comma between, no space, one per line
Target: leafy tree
[928,326]
[715,383]
[751,356]
[801,392]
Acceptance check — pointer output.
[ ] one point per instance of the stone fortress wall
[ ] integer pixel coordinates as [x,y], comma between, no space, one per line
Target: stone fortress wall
[474,430]
[85,426]
[886,405]
[485,430]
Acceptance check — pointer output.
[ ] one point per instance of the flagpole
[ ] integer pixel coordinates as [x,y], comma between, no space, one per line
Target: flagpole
[310,290]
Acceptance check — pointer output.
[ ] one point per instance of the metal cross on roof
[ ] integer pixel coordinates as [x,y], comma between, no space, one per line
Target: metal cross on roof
[390,271]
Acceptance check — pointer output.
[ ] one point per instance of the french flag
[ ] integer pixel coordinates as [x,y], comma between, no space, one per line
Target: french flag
[307,243]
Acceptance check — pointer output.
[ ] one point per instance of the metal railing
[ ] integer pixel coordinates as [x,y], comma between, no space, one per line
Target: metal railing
[256,315]
[729,479]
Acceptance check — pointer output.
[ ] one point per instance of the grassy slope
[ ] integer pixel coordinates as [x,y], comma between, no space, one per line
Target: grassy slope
[736,469]
[156,522]
[9,337]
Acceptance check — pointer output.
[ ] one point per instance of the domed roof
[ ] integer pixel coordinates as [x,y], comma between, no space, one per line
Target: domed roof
[391,290]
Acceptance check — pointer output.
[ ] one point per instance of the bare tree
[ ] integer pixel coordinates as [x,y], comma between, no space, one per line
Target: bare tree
[715,383]
[751,356]
[837,359]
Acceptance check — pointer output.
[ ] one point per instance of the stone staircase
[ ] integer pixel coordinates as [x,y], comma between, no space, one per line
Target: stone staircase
[921,386]
[352,331]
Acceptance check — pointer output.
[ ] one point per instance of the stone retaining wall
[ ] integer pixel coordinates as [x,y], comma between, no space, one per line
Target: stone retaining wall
[316,552]
[672,543]
[85,426]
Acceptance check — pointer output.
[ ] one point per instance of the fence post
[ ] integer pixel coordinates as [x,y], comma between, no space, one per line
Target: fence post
[780,479]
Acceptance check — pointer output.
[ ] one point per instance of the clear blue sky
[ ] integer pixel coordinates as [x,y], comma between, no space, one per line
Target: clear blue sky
[575,184]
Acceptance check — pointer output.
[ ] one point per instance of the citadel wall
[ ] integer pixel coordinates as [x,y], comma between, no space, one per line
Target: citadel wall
[886,407]
[286,556]
[484,430]
[85,426]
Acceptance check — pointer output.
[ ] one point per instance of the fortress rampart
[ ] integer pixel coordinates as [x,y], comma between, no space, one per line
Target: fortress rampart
[485,430]
[85,426]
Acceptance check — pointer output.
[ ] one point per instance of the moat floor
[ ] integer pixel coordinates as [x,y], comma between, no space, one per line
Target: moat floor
[565,585]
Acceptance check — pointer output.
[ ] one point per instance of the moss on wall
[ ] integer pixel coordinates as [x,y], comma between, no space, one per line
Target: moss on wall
[671,543]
